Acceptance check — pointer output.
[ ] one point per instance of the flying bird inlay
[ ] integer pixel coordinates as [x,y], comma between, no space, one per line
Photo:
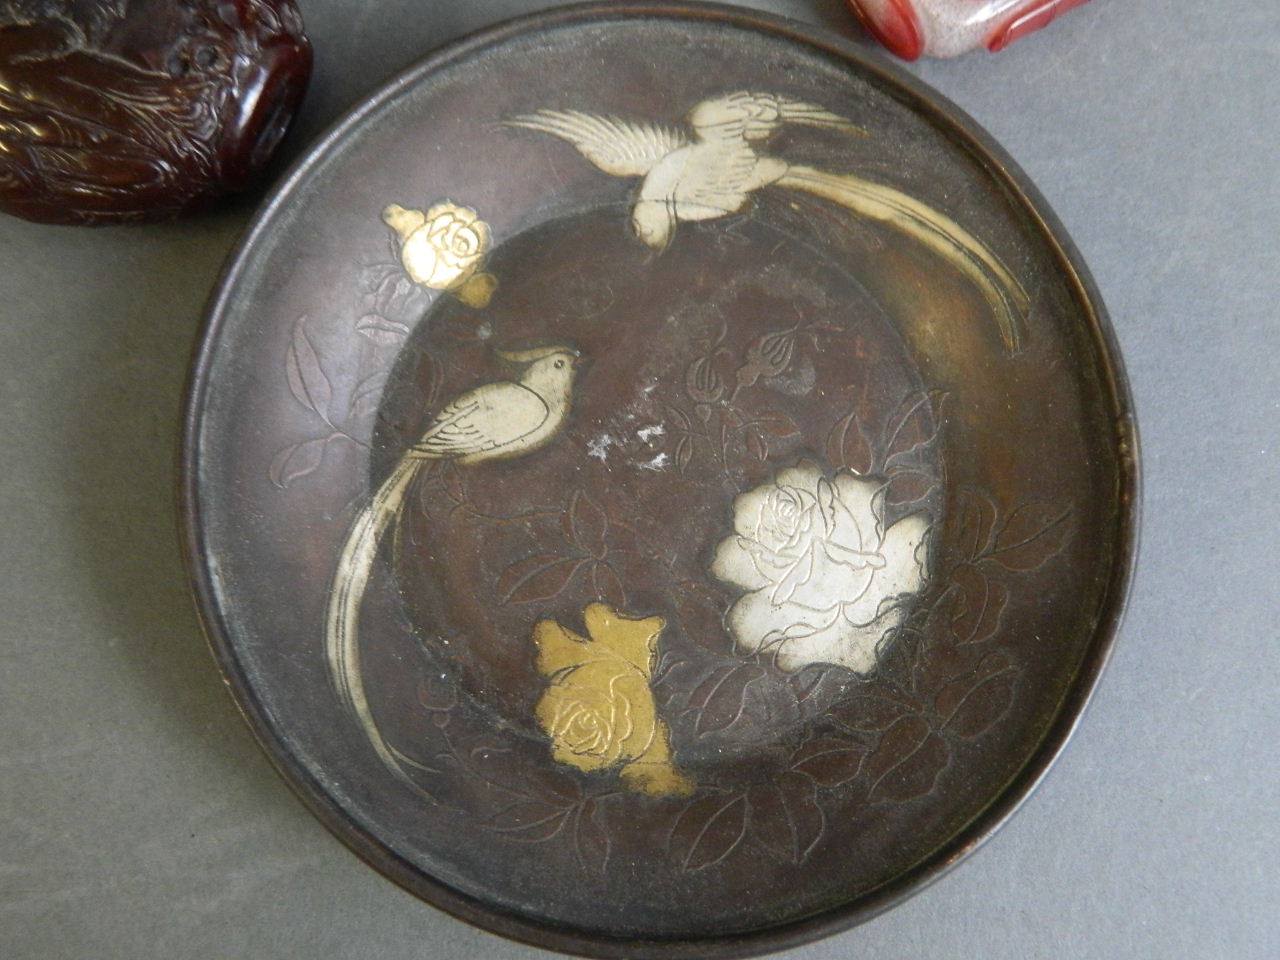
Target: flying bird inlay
[713,171]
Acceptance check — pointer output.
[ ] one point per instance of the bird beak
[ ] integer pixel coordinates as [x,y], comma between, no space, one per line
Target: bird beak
[579,362]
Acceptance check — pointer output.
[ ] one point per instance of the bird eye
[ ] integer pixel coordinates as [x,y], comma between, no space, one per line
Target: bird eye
[207,57]
[559,364]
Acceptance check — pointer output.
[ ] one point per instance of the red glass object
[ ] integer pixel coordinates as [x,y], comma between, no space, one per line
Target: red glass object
[121,110]
[945,28]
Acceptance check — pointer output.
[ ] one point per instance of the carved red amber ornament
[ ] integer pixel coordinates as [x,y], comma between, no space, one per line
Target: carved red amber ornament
[123,110]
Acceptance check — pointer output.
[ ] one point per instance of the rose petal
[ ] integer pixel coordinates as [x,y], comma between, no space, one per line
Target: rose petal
[903,570]
[829,507]
[438,226]
[451,268]
[735,564]
[848,533]
[748,509]
[829,582]
[904,555]
[419,258]
[858,559]
[803,476]
[799,575]
[841,643]
[858,498]
[451,210]
[634,640]
[557,647]
[755,622]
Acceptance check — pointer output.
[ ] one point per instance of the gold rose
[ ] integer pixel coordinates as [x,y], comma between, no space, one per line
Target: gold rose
[445,249]
[598,709]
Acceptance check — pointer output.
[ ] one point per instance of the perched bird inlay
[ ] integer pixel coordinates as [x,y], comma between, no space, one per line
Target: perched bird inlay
[507,418]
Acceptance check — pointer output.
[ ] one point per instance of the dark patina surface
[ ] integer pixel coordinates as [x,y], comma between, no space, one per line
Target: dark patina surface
[782,334]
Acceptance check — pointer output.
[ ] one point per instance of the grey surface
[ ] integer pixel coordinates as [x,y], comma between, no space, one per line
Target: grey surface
[138,819]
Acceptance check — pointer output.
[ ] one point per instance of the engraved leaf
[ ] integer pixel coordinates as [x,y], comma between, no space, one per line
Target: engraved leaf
[776,424]
[307,381]
[976,522]
[757,447]
[607,586]
[708,830]
[539,577]
[530,821]
[907,761]
[591,841]
[367,393]
[806,683]
[585,525]
[908,486]
[684,453]
[721,699]
[1033,533]
[979,604]
[847,445]
[701,615]
[944,661]
[381,330]
[786,818]
[681,416]
[437,694]
[829,762]
[527,789]
[914,426]
[972,706]
[896,662]
[296,461]
[373,276]
[870,713]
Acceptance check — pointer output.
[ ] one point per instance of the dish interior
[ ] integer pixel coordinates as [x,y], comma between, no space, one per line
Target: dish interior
[657,568]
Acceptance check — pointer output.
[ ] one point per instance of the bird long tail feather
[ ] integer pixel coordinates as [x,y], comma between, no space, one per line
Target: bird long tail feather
[796,111]
[342,619]
[935,230]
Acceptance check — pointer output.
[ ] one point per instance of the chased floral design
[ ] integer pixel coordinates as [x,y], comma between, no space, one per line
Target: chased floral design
[337,411]
[728,745]
[825,577]
[598,708]
[444,249]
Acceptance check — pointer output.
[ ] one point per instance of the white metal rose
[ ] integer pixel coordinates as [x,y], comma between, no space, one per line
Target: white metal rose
[825,580]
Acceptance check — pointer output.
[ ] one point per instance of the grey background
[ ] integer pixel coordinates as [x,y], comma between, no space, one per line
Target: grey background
[139,820]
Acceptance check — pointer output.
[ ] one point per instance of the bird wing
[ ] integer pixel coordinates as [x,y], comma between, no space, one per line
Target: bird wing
[720,183]
[486,418]
[747,115]
[615,146]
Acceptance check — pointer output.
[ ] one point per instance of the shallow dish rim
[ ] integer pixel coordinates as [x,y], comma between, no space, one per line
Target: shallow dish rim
[973,140]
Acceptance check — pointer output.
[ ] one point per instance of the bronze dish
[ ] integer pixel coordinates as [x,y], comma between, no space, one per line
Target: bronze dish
[659,482]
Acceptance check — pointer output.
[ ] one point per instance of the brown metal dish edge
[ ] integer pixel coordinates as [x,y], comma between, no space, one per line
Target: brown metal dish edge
[956,125]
